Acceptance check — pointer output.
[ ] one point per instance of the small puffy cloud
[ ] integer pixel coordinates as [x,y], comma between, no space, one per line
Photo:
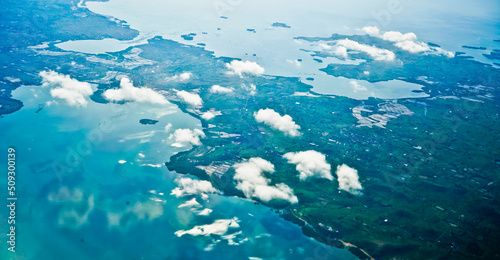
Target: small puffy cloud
[190,204]
[183,137]
[220,90]
[310,164]
[294,62]
[341,52]
[190,98]
[183,77]
[205,212]
[273,119]
[188,186]
[371,30]
[168,127]
[356,87]
[393,36]
[446,53]
[208,115]
[127,92]
[374,52]
[253,184]
[348,179]
[74,92]
[240,68]
[219,227]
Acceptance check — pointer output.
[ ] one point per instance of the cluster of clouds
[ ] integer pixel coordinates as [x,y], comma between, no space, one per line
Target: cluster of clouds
[253,184]
[190,98]
[74,92]
[220,90]
[348,179]
[273,119]
[183,77]
[241,68]
[127,92]
[343,45]
[407,41]
[140,211]
[71,202]
[310,164]
[188,186]
[313,164]
[183,137]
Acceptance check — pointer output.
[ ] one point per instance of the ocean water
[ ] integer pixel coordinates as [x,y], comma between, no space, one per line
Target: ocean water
[223,27]
[91,184]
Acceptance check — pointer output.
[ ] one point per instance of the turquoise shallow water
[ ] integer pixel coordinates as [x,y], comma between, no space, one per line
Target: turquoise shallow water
[76,176]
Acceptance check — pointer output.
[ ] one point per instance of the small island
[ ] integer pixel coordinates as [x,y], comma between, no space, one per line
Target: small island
[148,121]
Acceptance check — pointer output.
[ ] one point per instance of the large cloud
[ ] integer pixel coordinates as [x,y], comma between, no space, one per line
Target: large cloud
[348,179]
[310,164]
[190,98]
[188,186]
[220,89]
[273,119]
[183,137]
[253,184]
[240,68]
[127,92]
[74,92]
[374,52]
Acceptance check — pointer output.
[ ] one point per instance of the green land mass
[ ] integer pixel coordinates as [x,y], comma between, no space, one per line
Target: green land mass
[430,179]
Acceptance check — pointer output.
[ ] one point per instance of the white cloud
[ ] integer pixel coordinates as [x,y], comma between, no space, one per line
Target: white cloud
[240,68]
[406,41]
[310,164]
[446,53]
[190,203]
[325,46]
[252,88]
[356,87]
[393,36]
[188,186]
[374,52]
[220,89]
[294,62]
[219,227]
[273,119]
[341,52]
[74,92]
[183,77]
[348,179]
[168,127]
[190,98]
[127,92]
[253,184]
[371,30]
[413,47]
[183,137]
[205,212]
[208,115]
